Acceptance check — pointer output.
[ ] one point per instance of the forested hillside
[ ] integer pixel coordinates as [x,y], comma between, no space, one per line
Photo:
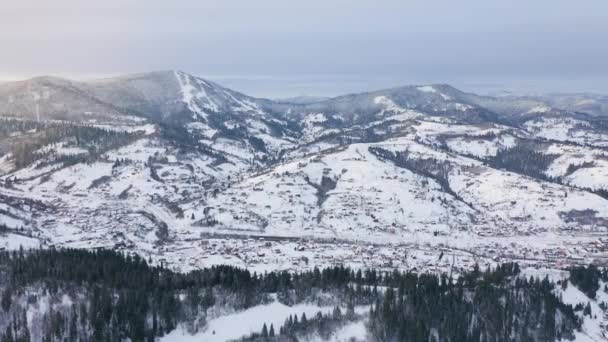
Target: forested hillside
[78,295]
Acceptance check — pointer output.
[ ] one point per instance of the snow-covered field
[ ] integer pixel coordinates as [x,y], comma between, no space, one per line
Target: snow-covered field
[244,323]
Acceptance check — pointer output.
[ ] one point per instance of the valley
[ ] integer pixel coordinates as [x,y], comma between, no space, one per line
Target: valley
[191,174]
[181,177]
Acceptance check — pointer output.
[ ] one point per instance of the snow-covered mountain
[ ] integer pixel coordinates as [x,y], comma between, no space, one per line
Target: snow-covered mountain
[180,169]
[50,98]
[589,103]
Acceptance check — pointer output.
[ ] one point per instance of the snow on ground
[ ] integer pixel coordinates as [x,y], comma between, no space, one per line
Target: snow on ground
[11,222]
[204,98]
[202,129]
[526,204]
[61,149]
[192,96]
[592,170]
[146,128]
[315,118]
[285,201]
[427,89]
[460,106]
[590,177]
[538,109]
[281,217]
[431,89]
[313,126]
[81,175]
[351,332]
[244,323]
[388,104]
[31,172]
[591,329]
[429,131]
[6,163]
[139,151]
[10,241]
[480,147]
[566,129]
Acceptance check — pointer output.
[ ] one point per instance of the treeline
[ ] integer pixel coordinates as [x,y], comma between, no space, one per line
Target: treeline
[9,127]
[438,170]
[118,297]
[524,159]
[93,139]
[491,306]
[124,297]
[587,279]
[495,305]
[320,325]
[428,167]
[189,140]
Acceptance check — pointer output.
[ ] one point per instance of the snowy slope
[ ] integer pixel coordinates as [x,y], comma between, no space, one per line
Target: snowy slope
[394,177]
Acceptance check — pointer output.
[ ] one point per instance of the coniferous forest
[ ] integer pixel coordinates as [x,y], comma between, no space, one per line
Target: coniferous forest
[117,297]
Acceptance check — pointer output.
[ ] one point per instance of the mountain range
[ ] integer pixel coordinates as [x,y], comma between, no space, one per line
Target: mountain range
[189,173]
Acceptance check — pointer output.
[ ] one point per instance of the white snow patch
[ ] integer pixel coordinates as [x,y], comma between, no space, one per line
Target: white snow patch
[244,323]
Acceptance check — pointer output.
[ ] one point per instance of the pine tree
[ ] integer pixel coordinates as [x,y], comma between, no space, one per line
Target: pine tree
[350,310]
[6,299]
[587,310]
[208,300]
[73,328]
[337,314]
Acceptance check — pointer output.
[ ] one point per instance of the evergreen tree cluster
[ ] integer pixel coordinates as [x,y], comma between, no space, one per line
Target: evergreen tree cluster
[321,325]
[9,127]
[126,298]
[188,140]
[118,297]
[438,170]
[94,139]
[490,306]
[524,158]
[587,278]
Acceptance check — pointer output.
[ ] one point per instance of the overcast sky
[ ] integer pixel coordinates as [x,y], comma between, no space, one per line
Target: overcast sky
[277,48]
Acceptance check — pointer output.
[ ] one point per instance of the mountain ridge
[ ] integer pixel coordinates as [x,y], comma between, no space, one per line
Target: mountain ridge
[178,168]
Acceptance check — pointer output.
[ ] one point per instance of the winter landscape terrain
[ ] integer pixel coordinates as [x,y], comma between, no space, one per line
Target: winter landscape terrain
[188,174]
